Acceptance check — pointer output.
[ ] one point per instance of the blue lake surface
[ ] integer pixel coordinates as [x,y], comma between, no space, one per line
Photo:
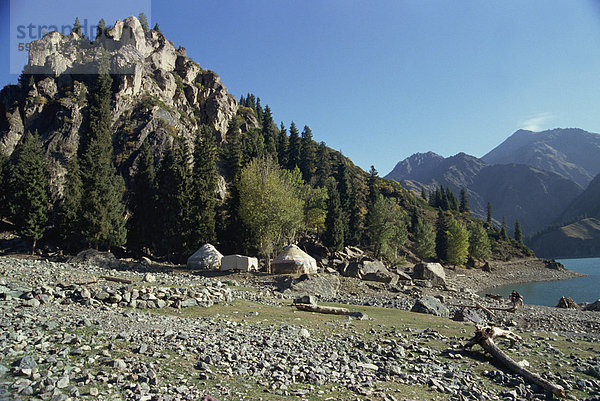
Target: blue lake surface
[581,289]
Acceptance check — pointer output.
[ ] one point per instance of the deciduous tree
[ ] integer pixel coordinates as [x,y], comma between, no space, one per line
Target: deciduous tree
[457,251]
[270,205]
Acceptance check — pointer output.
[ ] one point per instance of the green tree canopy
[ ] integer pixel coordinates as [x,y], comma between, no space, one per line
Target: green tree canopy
[518,232]
[479,242]
[294,148]
[270,205]
[102,209]
[204,187]
[457,251]
[28,189]
[424,243]
[333,237]
[386,227]
[464,201]
[141,233]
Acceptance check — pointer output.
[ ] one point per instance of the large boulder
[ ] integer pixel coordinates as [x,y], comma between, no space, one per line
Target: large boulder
[430,306]
[434,272]
[239,262]
[321,285]
[467,315]
[595,306]
[96,258]
[567,303]
[205,258]
[293,260]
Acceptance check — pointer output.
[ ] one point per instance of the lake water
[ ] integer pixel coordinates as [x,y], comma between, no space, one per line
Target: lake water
[581,289]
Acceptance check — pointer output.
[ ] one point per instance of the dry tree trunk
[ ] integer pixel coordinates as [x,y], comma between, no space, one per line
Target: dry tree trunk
[117,279]
[332,310]
[485,338]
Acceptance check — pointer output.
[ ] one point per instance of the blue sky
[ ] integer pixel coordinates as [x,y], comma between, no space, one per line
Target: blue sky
[382,80]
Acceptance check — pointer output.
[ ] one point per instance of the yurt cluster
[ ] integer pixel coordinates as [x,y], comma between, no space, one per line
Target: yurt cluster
[292,260]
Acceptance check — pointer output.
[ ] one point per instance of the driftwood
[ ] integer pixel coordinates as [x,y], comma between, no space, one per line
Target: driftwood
[485,338]
[88,282]
[331,310]
[117,279]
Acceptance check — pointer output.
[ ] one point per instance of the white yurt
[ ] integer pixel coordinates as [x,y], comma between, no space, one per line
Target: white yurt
[205,258]
[293,260]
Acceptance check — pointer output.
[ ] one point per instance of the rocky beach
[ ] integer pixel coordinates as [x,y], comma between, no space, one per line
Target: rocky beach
[140,331]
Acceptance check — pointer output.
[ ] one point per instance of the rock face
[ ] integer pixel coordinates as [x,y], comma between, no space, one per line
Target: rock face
[206,258]
[159,93]
[434,272]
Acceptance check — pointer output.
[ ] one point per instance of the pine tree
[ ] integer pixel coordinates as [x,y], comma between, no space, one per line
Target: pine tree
[479,242]
[77,27]
[141,232]
[233,149]
[307,155]
[518,233]
[464,201]
[28,188]
[424,244]
[4,212]
[253,146]
[452,201]
[156,28]
[503,231]
[283,146]
[441,244]
[102,210]
[457,250]
[69,211]
[423,194]
[415,219]
[489,214]
[294,148]
[356,218]
[323,170]
[259,111]
[143,21]
[101,29]
[204,180]
[269,133]
[372,184]
[333,237]
[172,201]
[371,200]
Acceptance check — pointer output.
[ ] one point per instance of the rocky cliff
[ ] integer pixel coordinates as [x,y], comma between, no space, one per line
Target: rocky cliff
[159,93]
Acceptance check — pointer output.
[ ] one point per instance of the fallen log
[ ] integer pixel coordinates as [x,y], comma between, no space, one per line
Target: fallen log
[331,310]
[485,338]
[117,279]
[87,282]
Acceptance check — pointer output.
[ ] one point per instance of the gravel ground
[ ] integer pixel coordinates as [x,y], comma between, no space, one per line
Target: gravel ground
[54,345]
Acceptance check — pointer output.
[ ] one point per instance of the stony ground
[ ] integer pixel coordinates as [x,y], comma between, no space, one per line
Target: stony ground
[58,343]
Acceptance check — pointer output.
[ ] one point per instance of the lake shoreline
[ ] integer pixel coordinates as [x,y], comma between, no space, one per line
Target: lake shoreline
[526,270]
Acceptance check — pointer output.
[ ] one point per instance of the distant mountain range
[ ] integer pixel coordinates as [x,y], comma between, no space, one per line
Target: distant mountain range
[572,152]
[535,177]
